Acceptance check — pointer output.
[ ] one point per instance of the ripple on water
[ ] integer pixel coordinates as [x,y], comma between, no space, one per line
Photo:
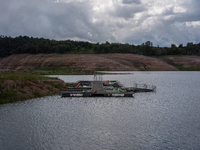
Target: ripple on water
[167,119]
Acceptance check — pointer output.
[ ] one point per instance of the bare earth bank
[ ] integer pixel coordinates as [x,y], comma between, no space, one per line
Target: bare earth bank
[94,62]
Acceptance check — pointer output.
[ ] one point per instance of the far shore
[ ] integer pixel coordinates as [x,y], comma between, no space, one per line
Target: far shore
[21,75]
[73,64]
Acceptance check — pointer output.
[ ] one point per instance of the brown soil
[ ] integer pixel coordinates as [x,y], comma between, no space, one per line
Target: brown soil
[94,62]
[141,62]
[87,62]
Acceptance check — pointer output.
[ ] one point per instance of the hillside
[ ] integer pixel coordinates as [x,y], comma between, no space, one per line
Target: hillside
[87,63]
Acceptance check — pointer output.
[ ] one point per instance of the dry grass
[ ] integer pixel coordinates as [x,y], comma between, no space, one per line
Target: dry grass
[21,87]
[82,63]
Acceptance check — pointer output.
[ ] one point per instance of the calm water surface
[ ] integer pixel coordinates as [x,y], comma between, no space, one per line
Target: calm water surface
[166,119]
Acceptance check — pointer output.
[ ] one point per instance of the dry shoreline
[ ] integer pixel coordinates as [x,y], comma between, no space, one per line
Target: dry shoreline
[89,63]
[58,64]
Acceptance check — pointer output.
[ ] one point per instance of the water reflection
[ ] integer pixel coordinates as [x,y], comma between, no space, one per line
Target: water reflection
[167,119]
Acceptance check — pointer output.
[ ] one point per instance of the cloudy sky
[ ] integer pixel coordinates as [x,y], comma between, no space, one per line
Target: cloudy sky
[125,21]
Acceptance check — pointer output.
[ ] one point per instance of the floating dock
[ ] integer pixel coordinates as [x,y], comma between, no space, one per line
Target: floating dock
[104,89]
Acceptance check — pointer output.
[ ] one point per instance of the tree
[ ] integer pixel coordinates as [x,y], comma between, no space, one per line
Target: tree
[180,46]
[189,48]
[148,48]
[163,51]
[172,49]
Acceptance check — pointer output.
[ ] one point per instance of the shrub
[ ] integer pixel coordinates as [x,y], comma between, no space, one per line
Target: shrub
[50,88]
[37,93]
[57,85]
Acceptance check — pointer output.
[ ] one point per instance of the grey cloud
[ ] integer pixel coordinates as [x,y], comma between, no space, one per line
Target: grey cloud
[192,12]
[127,11]
[47,19]
[74,20]
[131,1]
[168,11]
[54,20]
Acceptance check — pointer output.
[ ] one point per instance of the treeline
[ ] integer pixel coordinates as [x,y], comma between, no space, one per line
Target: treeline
[25,44]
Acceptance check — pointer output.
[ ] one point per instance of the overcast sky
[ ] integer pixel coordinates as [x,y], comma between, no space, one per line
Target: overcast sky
[162,22]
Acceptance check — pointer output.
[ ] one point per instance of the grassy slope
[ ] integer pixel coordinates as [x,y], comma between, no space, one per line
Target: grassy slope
[183,63]
[15,87]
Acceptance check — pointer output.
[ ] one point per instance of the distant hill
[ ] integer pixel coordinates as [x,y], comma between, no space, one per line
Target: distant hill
[88,63]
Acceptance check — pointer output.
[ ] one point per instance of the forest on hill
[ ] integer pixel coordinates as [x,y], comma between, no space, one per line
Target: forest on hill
[25,44]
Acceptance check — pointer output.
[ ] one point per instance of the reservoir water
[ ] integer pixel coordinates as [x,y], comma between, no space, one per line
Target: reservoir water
[166,119]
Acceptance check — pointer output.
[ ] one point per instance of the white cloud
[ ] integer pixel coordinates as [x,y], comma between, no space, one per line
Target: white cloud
[193,24]
[129,21]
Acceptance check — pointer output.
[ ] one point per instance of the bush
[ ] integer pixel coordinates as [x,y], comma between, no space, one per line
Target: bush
[57,85]
[8,96]
[50,88]
[37,93]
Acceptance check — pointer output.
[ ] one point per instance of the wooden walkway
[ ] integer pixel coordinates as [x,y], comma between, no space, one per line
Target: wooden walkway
[97,87]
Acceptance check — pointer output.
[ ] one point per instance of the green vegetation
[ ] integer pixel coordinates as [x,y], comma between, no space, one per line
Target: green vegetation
[37,93]
[57,85]
[11,95]
[187,68]
[18,87]
[50,88]
[55,71]
[116,90]
[22,77]
[171,62]
[71,84]
[8,96]
[61,71]
[25,44]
